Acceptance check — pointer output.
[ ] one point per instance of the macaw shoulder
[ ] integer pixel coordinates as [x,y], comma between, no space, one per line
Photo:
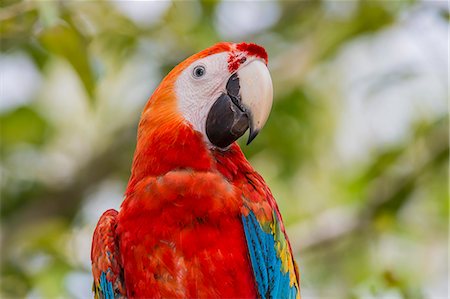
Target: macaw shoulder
[270,253]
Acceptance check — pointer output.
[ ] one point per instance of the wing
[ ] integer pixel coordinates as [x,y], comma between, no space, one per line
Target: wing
[105,257]
[270,253]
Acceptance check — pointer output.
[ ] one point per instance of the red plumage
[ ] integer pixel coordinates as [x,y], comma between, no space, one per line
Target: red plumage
[195,211]
[179,232]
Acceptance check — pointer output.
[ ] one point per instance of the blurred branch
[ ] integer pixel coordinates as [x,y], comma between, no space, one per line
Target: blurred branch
[386,194]
[324,229]
[391,193]
[66,202]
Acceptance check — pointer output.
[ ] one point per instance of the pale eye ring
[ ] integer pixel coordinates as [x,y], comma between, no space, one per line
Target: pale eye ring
[199,71]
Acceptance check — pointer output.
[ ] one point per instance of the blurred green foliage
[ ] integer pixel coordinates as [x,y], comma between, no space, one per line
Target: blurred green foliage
[355,150]
[23,125]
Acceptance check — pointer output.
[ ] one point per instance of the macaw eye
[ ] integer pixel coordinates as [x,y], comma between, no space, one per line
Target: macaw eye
[199,71]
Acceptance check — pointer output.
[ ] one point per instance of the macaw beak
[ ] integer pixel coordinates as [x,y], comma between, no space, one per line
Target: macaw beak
[246,104]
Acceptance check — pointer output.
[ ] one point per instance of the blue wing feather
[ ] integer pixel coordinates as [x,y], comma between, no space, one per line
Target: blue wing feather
[256,250]
[271,280]
[106,287]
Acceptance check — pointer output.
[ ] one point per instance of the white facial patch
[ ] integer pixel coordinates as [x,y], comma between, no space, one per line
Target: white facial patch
[196,94]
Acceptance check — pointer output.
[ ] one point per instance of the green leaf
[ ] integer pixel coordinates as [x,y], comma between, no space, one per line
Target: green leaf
[23,125]
[65,41]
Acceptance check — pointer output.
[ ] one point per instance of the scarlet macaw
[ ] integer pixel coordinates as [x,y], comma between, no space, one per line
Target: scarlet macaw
[197,220]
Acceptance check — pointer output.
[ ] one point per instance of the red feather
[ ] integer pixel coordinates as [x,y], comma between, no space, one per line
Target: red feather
[105,255]
[181,233]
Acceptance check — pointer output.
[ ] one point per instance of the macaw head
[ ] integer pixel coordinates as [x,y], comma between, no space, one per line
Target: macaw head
[220,92]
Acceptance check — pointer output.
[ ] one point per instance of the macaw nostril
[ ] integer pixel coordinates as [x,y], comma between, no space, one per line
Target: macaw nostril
[233,86]
[233,89]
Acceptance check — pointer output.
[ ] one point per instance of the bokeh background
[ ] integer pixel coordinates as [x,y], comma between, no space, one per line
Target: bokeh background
[355,151]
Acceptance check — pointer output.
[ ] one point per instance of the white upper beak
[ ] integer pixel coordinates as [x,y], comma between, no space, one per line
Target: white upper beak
[256,93]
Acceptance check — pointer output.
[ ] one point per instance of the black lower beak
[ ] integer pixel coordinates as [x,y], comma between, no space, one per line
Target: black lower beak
[226,122]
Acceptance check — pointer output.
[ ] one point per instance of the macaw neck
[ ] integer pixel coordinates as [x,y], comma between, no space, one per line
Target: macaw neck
[167,147]
[232,163]
[172,145]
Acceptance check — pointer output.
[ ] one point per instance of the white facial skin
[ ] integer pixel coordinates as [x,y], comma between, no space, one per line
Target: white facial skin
[196,95]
